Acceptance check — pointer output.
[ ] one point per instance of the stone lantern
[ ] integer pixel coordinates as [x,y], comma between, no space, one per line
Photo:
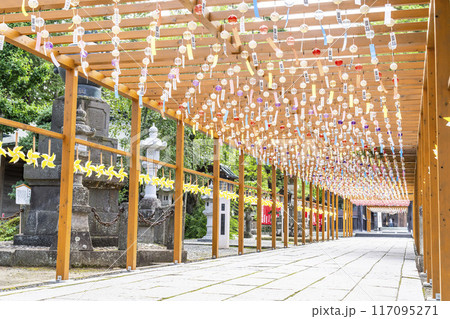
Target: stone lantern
[224,219]
[152,146]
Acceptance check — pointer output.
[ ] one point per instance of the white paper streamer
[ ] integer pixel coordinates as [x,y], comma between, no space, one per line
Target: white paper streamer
[38,42]
[55,62]
[387,13]
[67,5]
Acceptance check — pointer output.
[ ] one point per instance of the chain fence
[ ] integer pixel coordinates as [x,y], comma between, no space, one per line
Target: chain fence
[12,216]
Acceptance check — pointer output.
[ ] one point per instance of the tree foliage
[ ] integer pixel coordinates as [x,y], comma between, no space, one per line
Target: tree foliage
[27,85]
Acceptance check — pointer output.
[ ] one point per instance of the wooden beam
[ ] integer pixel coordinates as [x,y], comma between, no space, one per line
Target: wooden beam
[133,197]
[216,199]
[368,220]
[285,211]
[258,206]
[241,202]
[30,128]
[441,37]
[274,207]
[179,182]
[66,188]
[295,211]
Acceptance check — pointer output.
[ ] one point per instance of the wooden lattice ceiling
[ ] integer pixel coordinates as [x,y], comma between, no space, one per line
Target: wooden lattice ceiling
[410,30]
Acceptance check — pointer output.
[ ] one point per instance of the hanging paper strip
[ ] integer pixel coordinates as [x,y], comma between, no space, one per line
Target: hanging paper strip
[324,35]
[38,41]
[287,18]
[67,5]
[236,37]
[344,46]
[373,55]
[249,67]
[189,51]
[255,8]
[387,13]
[55,62]
[2,41]
[25,11]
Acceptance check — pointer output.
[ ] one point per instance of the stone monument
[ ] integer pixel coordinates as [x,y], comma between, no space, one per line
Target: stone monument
[41,219]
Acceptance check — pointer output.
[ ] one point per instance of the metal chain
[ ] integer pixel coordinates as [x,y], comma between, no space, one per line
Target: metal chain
[161,220]
[110,223]
[12,216]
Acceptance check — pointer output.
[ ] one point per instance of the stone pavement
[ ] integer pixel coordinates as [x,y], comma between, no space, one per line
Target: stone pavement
[347,269]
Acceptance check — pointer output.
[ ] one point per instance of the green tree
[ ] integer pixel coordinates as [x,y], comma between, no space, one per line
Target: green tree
[27,86]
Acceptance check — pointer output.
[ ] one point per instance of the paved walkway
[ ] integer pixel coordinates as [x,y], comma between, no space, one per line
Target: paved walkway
[347,269]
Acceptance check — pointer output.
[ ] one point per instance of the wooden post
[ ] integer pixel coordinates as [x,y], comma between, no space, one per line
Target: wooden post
[216,199]
[426,192]
[350,212]
[344,219]
[66,188]
[368,219]
[336,215]
[310,212]
[241,203]
[416,215]
[423,185]
[179,183]
[295,211]
[441,43]
[328,214]
[274,207]
[303,213]
[317,212]
[258,206]
[323,214]
[333,216]
[434,200]
[285,212]
[133,192]
[419,172]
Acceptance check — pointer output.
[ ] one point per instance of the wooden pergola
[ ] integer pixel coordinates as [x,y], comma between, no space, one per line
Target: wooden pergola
[186,59]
